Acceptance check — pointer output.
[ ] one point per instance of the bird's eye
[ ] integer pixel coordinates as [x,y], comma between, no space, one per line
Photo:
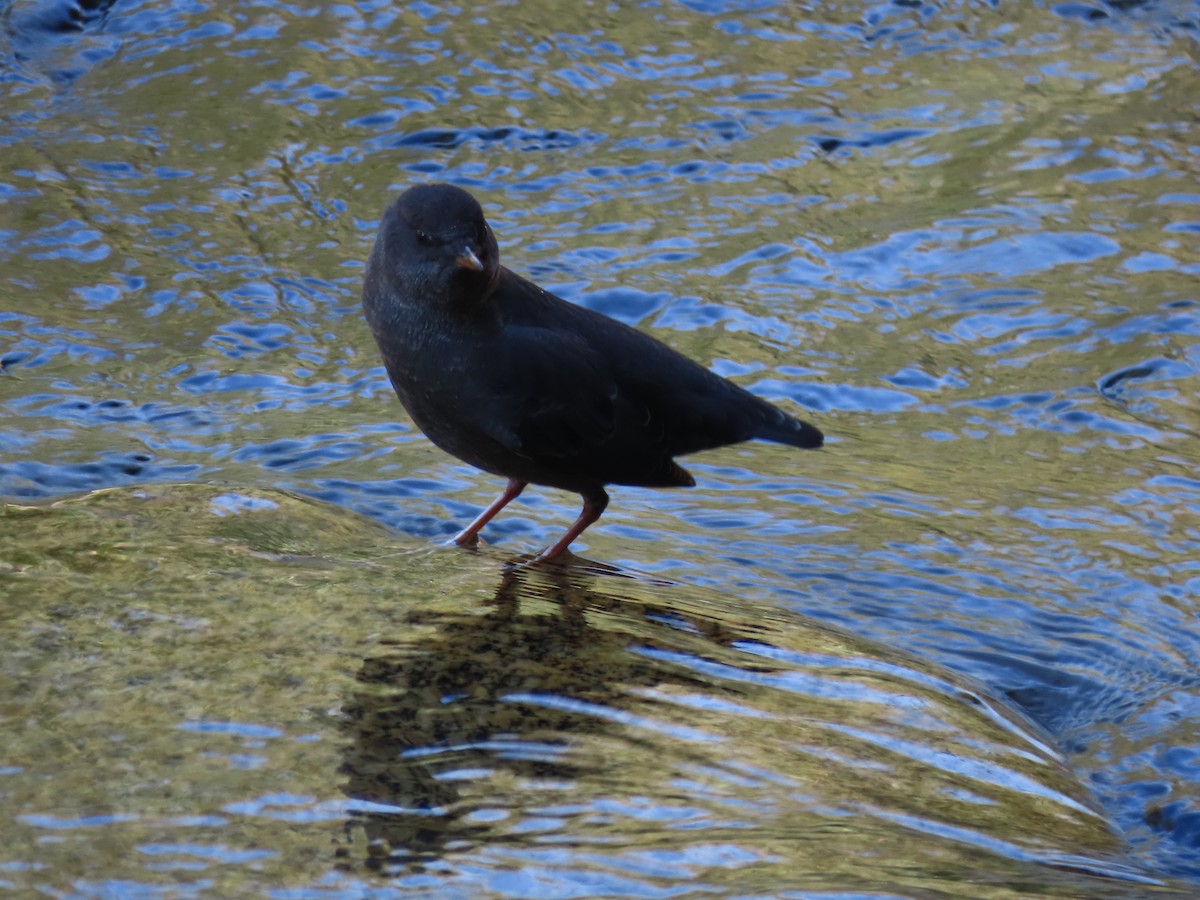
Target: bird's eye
[423,237]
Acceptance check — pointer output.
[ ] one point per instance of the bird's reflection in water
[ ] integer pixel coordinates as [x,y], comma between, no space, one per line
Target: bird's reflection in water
[455,701]
[608,717]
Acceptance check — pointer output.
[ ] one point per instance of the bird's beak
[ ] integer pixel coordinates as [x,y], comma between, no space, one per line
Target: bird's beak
[468,260]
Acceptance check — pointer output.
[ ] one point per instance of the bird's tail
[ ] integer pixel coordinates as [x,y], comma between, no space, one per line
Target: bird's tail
[789,430]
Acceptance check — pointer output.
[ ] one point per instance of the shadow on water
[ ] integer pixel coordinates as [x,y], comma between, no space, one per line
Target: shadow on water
[588,727]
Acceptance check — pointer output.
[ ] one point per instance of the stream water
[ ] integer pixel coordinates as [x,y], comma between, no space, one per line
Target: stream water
[954,653]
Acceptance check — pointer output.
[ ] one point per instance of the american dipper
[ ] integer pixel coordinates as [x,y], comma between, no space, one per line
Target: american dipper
[523,384]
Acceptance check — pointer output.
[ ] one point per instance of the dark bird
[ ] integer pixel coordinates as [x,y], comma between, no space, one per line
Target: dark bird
[523,384]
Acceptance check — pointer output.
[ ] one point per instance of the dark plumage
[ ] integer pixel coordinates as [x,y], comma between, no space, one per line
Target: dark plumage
[525,385]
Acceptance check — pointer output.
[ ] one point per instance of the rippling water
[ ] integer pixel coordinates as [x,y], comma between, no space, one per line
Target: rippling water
[954,652]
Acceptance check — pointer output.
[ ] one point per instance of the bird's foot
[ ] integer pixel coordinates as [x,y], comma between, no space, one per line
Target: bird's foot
[464,539]
[528,561]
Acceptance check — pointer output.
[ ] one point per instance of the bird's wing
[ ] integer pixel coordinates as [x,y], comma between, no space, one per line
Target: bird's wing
[554,394]
[559,403]
[590,391]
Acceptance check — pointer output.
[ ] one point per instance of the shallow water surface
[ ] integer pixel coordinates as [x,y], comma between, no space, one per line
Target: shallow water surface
[269,693]
[955,651]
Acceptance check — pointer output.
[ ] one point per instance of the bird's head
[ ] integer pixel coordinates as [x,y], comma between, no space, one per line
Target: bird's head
[436,249]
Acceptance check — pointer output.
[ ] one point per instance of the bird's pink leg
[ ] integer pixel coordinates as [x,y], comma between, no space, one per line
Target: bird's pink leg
[593,508]
[469,536]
